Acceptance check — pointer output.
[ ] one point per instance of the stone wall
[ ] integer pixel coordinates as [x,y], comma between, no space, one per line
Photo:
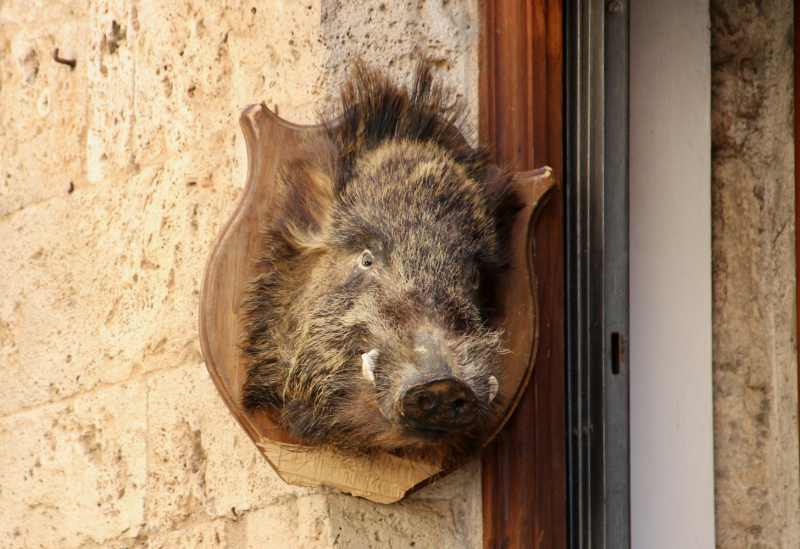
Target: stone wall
[115,177]
[755,347]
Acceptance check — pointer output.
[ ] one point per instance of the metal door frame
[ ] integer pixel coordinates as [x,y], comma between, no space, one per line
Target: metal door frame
[596,272]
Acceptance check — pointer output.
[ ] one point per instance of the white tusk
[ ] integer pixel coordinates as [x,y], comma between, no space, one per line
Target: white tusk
[368,365]
[493,387]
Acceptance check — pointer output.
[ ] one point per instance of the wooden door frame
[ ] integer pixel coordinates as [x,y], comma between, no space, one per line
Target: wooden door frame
[524,470]
[554,91]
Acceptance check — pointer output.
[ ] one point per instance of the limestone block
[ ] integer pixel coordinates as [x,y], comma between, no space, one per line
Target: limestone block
[206,535]
[74,472]
[199,66]
[390,34]
[56,294]
[202,464]
[111,71]
[44,133]
[338,520]
[458,485]
[105,280]
[296,522]
[279,58]
[52,306]
[360,524]
[754,283]
[445,514]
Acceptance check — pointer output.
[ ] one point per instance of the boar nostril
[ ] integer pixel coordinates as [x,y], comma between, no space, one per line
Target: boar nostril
[425,402]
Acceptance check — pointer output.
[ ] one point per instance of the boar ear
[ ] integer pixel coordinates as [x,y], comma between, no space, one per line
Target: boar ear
[308,191]
[502,200]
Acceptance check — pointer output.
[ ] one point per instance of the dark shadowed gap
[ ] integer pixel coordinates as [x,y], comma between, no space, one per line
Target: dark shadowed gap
[796,178]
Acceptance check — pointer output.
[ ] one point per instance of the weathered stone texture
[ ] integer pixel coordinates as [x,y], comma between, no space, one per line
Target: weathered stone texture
[75,471]
[115,177]
[438,28]
[42,114]
[201,463]
[755,347]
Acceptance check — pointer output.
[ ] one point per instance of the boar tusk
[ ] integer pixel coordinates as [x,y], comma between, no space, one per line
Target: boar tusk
[493,387]
[368,365]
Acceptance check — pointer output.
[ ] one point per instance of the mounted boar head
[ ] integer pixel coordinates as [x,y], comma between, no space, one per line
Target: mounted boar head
[368,329]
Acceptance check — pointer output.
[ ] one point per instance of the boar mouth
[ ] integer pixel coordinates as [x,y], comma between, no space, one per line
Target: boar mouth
[430,436]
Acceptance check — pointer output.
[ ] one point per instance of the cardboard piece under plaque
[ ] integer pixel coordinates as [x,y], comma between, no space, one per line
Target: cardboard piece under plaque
[230,267]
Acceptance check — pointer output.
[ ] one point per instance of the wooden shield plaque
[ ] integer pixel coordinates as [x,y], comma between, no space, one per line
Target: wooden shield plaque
[231,265]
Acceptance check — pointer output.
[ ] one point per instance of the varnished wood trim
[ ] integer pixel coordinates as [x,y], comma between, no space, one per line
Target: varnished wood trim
[524,479]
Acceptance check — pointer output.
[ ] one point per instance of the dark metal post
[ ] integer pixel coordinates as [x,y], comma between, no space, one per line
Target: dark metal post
[596,272]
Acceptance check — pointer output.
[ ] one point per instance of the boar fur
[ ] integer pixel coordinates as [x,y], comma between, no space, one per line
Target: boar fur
[389,230]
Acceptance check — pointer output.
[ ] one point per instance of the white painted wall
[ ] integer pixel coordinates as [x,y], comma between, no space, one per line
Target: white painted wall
[672,475]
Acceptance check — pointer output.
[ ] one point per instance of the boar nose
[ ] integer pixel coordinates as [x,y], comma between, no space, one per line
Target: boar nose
[442,403]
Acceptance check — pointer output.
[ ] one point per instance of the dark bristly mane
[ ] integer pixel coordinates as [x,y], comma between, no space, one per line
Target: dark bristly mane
[374,110]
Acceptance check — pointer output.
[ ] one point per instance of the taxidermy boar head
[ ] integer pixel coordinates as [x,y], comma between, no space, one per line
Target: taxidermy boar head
[368,328]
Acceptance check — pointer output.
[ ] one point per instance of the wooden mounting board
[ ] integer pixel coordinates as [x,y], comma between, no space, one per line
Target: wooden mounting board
[230,267]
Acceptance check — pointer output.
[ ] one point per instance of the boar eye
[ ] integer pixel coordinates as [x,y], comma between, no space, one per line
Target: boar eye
[476,279]
[366,260]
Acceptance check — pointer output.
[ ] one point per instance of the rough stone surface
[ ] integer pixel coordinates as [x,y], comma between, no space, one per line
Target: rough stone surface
[755,347]
[115,177]
[75,471]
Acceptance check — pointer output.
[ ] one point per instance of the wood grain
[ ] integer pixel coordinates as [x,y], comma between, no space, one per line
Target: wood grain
[231,266]
[524,478]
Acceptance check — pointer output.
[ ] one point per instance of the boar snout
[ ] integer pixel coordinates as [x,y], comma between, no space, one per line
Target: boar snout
[434,397]
[433,354]
[442,403]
